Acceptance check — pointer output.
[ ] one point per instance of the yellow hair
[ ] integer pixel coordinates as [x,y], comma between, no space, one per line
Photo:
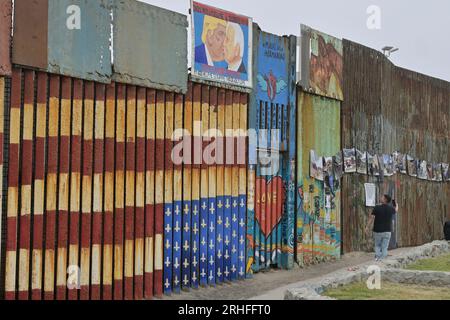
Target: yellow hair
[210,24]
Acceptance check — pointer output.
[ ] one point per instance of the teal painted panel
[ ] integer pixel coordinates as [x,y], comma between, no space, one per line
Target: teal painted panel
[79,39]
[150,46]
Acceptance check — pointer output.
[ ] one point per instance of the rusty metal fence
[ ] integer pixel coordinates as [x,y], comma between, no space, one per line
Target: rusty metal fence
[389,109]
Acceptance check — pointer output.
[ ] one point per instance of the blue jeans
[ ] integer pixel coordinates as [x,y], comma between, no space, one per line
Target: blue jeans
[381,244]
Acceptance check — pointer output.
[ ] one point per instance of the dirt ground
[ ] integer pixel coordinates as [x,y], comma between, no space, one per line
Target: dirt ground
[271,284]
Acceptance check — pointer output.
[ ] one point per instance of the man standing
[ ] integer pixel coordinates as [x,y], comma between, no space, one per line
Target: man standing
[381,219]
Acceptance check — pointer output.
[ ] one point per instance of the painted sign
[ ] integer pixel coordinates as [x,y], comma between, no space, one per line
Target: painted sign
[323,66]
[5,37]
[221,46]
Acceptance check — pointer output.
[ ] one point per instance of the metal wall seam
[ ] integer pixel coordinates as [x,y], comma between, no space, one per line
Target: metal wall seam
[187,141]
[51,188]
[210,160]
[169,244]
[197,154]
[98,196]
[149,256]
[13,186]
[119,222]
[75,185]
[26,169]
[204,183]
[242,158]
[177,196]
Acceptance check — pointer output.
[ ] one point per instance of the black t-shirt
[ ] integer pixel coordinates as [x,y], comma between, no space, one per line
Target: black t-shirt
[383,218]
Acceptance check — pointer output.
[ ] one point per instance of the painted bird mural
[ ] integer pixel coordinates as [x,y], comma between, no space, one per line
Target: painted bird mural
[270,84]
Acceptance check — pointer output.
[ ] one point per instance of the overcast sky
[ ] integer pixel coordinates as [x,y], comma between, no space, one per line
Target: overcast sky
[419,28]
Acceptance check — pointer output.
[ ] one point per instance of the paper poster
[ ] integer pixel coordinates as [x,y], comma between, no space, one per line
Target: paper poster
[221,46]
[388,165]
[316,166]
[437,172]
[338,166]
[411,166]
[371,194]
[349,160]
[361,162]
[422,170]
[400,162]
[445,172]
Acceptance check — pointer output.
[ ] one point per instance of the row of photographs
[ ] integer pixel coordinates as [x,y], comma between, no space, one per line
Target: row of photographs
[356,161]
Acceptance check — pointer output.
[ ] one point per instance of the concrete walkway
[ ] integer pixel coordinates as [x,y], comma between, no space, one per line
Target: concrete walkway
[272,285]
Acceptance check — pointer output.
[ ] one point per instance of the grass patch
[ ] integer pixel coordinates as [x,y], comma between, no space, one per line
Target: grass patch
[389,291]
[441,263]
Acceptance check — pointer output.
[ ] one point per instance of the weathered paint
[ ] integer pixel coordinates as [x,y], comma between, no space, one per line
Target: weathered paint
[30,33]
[75,181]
[13,187]
[389,109]
[322,63]
[44,37]
[226,71]
[92,187]
[318,231]
[52,187]
[271,215]
[108,222]
[5,37]
[141,55]
[130,191]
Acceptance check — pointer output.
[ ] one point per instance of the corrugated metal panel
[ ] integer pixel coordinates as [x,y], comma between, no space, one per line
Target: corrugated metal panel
[322,63]
[141,55]
[318,231]
[44,37]
[391,109]
[120,219]
[5,37]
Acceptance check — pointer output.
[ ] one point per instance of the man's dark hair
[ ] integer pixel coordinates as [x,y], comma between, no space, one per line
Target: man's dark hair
[388,198]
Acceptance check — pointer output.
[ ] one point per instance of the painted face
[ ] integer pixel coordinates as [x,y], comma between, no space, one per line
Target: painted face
[215,42]
[229,46]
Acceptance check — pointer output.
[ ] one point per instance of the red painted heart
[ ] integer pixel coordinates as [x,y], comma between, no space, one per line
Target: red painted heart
[270,197]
